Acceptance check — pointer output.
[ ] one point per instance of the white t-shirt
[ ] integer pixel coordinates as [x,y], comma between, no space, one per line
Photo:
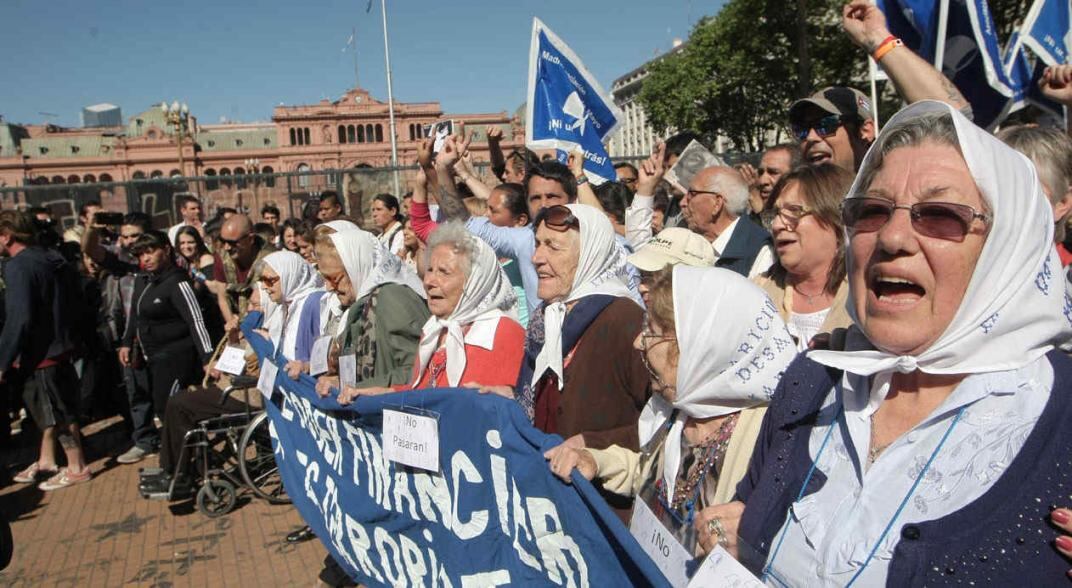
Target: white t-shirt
[393,239]
[804,326]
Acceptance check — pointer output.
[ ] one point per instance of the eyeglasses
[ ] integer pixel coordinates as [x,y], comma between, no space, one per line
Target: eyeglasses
[558,218]
[940,220]
[645,336]
[628,181]
[791,215]
[695,193]
[333,280]
[269,281]
[824,127]
[235,242]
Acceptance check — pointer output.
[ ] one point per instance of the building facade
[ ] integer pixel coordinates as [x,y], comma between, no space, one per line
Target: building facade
[352,132]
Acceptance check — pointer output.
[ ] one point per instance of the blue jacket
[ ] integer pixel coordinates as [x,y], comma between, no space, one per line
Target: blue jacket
[1004,538]
[744,245]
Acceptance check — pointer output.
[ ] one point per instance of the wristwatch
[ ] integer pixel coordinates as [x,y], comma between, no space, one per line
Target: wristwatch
[582,179]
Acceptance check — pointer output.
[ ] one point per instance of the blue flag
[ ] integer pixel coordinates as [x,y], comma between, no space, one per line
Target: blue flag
[567,108]
[970,53]
[492,515]
[1025,79]
[1047,30]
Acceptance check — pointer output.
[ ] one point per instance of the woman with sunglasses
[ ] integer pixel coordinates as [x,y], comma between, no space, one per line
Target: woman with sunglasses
[698,429]
[933,448]
[807,280]
[292,285]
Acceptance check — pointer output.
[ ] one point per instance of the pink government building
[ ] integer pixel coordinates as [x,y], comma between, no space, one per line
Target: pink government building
[351,132]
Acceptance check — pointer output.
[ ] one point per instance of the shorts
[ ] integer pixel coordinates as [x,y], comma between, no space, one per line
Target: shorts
[52,394]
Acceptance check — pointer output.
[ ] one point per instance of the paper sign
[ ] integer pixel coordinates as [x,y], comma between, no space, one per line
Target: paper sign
[721,570]
[266,381]
[318,357]
[411,439]
[347,370]
[659,543]
[693,159]
[231,361]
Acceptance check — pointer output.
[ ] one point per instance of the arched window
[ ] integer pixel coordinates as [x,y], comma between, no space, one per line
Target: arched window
[56,180]
[225,177]
[138,175]
[379,133]
[73,179]
[240,177]
[89,178]
[174,173]
[269,179]
[369,134]
[342,134]
[40,181]
[360,133]
[106,177]
[293,139]
[303,180]
[212,183]
[305,131]
[350,133]
[156,174]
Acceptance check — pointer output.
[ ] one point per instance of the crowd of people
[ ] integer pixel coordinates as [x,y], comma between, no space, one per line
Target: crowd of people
[843,365]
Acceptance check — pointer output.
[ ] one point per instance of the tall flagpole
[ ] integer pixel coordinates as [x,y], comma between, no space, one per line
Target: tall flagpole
[939,43]
[353,36]
[390,97]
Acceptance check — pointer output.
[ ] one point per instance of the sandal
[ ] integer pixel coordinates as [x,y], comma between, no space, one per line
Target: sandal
[34,473]
[64,479]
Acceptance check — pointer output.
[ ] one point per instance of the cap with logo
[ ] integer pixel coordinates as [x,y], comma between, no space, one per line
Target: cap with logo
[834,100]
[674,246]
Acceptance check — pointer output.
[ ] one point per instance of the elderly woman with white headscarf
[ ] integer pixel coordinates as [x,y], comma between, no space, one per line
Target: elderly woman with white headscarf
[376,339]
[932,449]
[710,394]
[473,338]
[293,292]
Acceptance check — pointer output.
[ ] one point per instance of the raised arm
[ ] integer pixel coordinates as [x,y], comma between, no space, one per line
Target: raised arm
[451,205]
[1056,84]
[467,174]
[638,217]
[914,78]
[585,194]
[495,152]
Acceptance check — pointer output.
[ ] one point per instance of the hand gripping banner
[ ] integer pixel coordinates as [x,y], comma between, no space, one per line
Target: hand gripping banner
[493,515]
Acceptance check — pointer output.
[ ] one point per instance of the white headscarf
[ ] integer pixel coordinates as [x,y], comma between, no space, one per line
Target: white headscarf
[298,280]
[341,225]
[369,264]
[487,295]
[273,315]
[1014,309]
[733,347]
[601,269]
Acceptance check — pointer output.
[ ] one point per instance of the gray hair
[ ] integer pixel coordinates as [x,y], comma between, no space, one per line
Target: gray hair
[936,127]
[459,239]
[733,188]
[1051,152]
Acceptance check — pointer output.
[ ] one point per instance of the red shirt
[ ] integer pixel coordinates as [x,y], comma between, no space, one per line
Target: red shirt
[497,366]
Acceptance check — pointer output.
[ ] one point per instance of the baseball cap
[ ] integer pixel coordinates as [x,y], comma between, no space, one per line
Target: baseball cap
[673,246]
[834,100]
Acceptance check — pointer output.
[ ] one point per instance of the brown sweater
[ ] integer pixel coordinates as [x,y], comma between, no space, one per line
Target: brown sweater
[606,383]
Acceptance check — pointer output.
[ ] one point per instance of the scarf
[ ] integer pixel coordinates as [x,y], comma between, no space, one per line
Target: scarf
[298,280]
[369,265]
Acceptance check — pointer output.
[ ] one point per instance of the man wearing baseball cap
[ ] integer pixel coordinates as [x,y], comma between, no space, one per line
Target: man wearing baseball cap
[673,246]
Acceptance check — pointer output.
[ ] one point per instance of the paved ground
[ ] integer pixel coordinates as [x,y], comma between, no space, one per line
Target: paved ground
[103,533]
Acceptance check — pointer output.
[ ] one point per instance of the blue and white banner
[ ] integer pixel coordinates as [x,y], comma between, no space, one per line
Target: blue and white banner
[966,43]
[493,515]
[1047,30]
[1025,79]
[567,108]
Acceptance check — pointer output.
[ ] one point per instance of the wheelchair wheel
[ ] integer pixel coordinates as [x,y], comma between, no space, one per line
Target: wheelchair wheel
[257,464]
[216,498]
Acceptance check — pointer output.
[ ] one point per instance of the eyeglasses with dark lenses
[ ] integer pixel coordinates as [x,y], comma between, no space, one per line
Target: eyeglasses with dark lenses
[269,281]
[558,218]
[824,127]
[791,215]
[234,242]
[940,220]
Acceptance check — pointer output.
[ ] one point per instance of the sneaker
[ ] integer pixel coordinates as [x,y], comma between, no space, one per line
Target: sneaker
[34,473]
[132,455]
[64,479]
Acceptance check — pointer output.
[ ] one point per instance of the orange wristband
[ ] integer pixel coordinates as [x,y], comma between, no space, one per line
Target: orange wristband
[886,47]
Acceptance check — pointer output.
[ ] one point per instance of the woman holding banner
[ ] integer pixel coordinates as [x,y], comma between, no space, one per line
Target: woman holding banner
[698,429]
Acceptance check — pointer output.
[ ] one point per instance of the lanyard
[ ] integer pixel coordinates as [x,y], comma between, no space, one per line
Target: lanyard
[768,570]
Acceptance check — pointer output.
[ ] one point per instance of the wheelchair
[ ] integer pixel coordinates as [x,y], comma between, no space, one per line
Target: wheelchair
[231,451]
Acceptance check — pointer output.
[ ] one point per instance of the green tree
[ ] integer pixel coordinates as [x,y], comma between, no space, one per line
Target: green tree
[741,69]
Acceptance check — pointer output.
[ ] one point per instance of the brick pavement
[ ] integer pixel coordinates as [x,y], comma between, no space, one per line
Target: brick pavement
[103,533]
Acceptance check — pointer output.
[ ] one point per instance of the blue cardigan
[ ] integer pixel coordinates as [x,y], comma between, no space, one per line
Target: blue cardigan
[1003,538]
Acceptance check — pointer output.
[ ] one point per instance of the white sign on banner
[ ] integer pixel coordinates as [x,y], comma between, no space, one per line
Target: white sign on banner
[659,543]
[720,570]
[231,361]
[318,357]
[266,381]
[411,439]
[347,370]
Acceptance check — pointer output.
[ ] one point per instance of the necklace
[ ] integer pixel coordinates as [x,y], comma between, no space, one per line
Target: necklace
[710,451]
[811,297]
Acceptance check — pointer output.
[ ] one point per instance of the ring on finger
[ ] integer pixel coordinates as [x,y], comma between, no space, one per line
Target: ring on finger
[714,527]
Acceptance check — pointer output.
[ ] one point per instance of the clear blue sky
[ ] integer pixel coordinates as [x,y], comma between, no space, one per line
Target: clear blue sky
[238,60]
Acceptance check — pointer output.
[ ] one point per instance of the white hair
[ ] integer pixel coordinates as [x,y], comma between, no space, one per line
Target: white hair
[734,189]
[457,237]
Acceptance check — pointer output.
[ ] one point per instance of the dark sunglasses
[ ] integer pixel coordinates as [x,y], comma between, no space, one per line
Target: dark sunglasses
[824,127]
[940,220]
[558,218]
[269,280]
[234,242]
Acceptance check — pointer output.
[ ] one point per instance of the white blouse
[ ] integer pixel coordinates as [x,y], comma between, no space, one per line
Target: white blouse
[830,532]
